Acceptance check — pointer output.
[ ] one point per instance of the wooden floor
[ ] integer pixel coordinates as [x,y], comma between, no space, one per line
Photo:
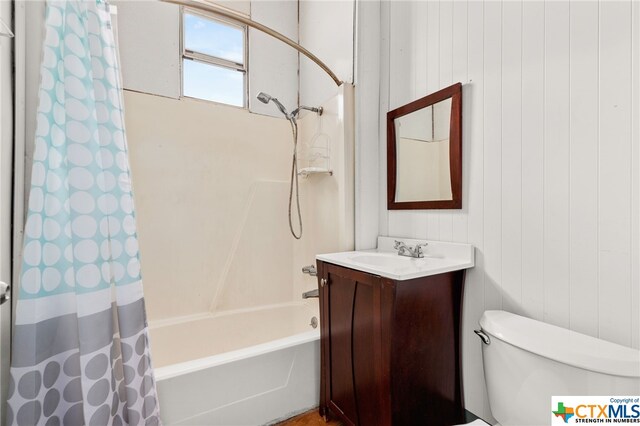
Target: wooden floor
[310,418]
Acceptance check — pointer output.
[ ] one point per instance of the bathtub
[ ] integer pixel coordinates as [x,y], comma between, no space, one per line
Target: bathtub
[245,367]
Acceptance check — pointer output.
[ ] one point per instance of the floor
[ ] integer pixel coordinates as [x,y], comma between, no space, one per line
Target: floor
[310,418]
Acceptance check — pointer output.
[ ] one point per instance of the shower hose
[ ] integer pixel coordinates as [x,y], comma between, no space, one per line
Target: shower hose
[294,177]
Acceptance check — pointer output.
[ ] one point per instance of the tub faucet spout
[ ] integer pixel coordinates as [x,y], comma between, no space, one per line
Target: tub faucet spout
[309,294]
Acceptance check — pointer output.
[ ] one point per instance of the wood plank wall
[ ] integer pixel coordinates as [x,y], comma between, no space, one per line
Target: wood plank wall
[551,154]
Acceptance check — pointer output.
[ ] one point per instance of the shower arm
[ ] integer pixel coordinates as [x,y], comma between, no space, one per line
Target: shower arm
[318,110]
[227,13]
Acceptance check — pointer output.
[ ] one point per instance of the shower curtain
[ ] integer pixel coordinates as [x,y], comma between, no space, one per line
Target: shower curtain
[80,348]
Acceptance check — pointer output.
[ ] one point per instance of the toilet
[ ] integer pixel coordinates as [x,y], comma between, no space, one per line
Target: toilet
[526,362]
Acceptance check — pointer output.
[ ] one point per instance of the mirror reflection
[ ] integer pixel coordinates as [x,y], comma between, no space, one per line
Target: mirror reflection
[423,170]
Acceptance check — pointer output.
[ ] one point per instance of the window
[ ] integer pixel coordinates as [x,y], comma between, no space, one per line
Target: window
[213,59]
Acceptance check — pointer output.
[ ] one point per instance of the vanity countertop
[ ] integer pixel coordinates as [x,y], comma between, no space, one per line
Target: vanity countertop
[439,257]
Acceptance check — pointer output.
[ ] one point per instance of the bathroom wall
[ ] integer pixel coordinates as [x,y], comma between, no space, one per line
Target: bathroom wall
[29,29]
[234,251]
[211,188]
[149,49]
[273,66]
[326,201]
[152,61]
[551,135]
[6,195]
[326,29]
[6,151]
[211,185]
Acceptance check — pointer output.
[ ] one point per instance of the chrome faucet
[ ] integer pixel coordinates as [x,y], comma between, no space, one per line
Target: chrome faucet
[409,251]
[311,270]
[310,294]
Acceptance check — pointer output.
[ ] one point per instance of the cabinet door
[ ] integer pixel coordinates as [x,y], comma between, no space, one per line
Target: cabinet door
[351,346]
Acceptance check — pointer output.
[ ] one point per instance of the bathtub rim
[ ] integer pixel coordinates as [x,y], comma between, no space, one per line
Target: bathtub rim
[192,366]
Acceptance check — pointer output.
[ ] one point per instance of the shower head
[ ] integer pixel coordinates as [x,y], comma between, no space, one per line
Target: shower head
[265,99]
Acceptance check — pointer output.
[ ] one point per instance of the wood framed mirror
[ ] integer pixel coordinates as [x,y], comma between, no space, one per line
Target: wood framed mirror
[424,152]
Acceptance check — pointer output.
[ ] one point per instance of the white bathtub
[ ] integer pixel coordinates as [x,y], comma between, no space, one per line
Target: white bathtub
[248,367]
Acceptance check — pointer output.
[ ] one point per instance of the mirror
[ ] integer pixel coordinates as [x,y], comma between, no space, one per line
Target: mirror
[424,155]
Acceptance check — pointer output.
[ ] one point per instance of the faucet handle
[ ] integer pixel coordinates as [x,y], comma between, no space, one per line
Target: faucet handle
[397,244]
[418,249]
[311,270]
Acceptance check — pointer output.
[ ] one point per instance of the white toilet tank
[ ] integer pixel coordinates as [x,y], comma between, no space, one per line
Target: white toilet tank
[528,361]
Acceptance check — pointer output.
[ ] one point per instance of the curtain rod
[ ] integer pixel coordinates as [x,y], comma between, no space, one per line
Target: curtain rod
[213,8]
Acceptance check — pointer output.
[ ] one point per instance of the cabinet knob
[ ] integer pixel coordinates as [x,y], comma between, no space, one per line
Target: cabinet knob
[323,282]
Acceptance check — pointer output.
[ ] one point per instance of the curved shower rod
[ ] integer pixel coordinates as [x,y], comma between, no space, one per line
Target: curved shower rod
[213,8]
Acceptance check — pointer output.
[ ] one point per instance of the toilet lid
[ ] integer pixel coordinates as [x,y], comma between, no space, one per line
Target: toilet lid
[562,345]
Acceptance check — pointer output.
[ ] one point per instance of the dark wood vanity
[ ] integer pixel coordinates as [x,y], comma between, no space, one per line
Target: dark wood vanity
[390,350]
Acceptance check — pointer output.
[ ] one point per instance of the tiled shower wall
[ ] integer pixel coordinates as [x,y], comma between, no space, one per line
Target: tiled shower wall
[551,154]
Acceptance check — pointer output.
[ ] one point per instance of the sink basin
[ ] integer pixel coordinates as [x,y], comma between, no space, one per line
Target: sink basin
[389,260]
[440,257]
[378,260]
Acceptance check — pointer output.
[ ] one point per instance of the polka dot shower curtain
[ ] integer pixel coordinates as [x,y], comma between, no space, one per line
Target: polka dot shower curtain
[80,351]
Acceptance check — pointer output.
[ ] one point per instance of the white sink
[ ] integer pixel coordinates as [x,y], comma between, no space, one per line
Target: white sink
[392,260]
[439,257]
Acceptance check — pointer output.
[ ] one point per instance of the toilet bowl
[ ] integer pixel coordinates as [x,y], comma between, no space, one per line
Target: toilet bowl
[526,362]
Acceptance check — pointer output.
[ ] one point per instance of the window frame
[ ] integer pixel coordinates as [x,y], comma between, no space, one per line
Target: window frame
[189,55]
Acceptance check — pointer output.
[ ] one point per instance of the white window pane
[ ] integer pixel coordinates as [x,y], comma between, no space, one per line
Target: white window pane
[213,38]
[213,83]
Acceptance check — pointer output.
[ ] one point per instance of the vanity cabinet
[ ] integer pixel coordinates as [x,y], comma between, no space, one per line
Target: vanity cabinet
[390,349]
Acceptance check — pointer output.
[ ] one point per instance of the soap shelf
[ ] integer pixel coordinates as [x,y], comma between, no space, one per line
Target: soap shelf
[308,171]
